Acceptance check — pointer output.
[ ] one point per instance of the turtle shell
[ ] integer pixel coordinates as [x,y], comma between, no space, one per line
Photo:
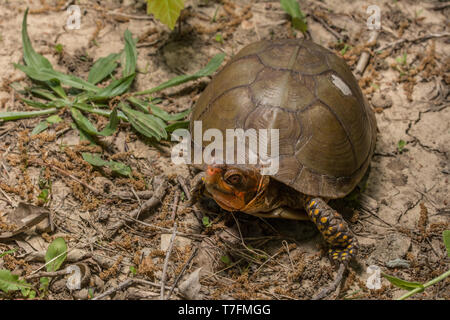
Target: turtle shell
[327,130]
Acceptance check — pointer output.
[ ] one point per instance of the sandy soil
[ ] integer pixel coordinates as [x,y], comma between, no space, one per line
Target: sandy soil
[399,213]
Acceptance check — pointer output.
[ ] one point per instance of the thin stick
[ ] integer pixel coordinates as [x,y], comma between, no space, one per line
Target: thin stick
[48,274]
[166,261]
[332,287]
[182,272]
[112,290]
[154,201]
[418,39]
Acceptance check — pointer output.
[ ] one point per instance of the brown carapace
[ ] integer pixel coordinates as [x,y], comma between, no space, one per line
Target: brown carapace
[327,134]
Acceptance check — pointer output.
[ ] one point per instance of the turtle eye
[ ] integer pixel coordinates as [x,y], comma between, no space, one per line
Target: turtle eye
[234,179]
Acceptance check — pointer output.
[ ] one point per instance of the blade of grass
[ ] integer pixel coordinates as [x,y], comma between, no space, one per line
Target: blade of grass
[45,74]
[102,68]
[157,111]
[84,124]
[210,68]
[130,55]
[101,112]
[145,124]
[16,115]
[35,60]
[115,88]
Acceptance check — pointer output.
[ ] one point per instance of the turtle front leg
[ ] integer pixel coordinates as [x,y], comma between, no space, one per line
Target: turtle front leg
[334,229]
[197,188]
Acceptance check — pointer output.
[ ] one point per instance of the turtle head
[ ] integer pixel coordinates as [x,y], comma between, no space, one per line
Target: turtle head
[233,187]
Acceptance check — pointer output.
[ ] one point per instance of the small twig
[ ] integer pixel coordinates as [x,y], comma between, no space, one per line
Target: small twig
[154,201]
[67,174]
[48,274]
[7,199]
[365,55]
[166,261]
[332,287]
[182,272]
[327,27]
[176,198]
[187,192]
[418,39]
[59,255]
[112,290]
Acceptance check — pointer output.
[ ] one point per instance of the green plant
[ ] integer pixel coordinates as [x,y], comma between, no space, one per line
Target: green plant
[166,11]
[206,222]
[56,90]
[54,258]
[298,18]
[401,145]
[416,287]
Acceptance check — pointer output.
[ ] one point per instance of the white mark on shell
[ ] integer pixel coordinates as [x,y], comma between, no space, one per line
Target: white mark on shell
[338,82]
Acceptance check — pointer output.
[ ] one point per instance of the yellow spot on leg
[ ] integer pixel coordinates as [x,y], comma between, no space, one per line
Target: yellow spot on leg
[323,220]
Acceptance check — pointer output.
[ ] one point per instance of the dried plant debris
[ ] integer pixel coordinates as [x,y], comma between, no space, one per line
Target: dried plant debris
[86,158]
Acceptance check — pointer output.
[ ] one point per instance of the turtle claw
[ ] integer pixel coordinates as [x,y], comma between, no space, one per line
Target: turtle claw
[334,285]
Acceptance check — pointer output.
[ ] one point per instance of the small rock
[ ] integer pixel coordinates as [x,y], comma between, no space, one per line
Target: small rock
[179,242]
[380,100]
[398,263]
[58,285]
[393,246]
[81,294]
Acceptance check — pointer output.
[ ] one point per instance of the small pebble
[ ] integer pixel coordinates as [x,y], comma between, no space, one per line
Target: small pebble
[398,263]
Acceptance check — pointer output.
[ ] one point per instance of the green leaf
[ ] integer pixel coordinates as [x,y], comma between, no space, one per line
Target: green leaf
[157,111]
[84,124]
[115,88]
[209,69]
[58,248]
[7,252]
[130,55]
[11,282]
[35,104]
[226,259]
[102,112]
[401,145]
[102,68]
[54,119]
[31,57]
[35,60]
[145,124]
[133,270]
[43,125]
[403,284]
[177,125]
[45,74]
[298,18]
[446,238]
[16,115]
[95,160]
[44,94]
[44,195]
[167,11]
[206,221]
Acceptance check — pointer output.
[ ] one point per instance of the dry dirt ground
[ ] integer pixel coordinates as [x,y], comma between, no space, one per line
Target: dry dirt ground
[399,212]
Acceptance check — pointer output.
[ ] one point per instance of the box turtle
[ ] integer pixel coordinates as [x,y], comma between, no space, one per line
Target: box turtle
[327,133]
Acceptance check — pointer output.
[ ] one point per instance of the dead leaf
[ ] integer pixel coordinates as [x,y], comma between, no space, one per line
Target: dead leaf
[24,217]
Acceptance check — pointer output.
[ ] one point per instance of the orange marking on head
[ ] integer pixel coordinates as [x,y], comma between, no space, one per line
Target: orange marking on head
[213,171]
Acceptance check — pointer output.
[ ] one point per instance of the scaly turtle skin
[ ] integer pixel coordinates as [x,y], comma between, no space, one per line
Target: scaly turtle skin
[326,128]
